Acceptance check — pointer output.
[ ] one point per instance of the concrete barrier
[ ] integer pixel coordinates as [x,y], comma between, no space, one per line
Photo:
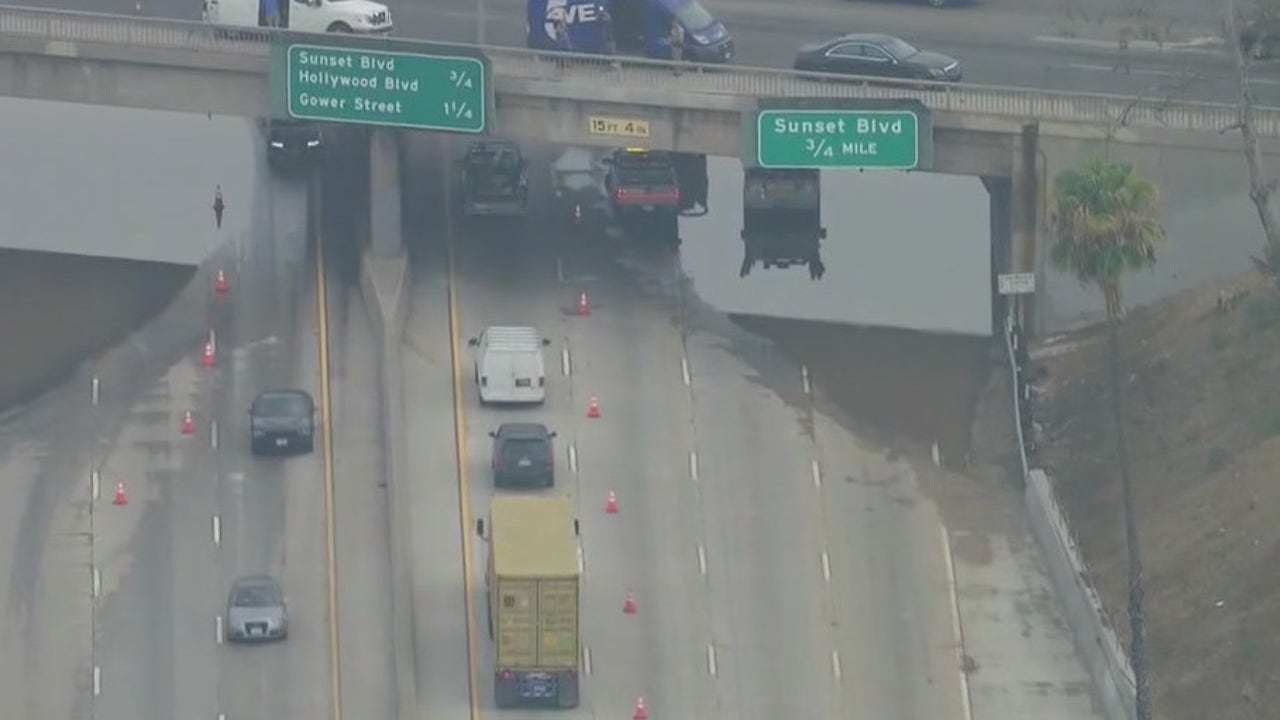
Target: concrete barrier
[1094,638]
[383,286]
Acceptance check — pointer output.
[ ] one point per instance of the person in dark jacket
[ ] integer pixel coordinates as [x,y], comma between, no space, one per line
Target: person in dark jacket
[563,44]
[676,37]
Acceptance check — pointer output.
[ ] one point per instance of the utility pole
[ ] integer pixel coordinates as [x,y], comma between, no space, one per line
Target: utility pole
[480,18]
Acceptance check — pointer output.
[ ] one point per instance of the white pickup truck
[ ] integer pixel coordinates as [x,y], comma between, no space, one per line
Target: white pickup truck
[363,17]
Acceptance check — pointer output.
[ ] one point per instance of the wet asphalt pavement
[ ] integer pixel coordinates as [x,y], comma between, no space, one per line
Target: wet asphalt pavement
[887,263]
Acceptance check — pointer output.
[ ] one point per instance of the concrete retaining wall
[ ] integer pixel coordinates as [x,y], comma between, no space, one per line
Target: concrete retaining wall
[1094,638]
[1096,642]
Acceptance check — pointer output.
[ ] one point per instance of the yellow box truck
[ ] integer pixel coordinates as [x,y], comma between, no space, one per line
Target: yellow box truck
[532,591]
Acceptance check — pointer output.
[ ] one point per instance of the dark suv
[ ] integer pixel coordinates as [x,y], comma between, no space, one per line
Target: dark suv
[282,421]
[523,456]
[293,142]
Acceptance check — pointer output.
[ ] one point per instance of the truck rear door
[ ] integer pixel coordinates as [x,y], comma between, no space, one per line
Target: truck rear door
[558,611]
[516,628]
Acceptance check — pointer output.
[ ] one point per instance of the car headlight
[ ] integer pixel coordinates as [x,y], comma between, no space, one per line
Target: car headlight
[313,143]
[277,144]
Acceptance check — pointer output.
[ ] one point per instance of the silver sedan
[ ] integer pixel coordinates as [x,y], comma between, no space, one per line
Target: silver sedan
[256,610]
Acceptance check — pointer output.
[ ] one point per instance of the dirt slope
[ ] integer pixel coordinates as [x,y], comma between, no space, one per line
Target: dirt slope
[1203,401]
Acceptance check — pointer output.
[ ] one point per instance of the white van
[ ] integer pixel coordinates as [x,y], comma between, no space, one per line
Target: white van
[346,16]
[509,367]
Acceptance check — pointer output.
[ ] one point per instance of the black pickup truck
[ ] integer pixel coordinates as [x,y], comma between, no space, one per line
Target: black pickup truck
[495,179]
[642,183]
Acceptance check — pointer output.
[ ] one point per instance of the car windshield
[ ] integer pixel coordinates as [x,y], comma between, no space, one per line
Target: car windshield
[575,180]
[282,405]
[493,155]
[516,450]
[645,168]
[694,17]
[262,595]
[900,49]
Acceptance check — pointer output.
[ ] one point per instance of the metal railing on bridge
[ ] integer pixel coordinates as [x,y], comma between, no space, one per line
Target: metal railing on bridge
[585,77]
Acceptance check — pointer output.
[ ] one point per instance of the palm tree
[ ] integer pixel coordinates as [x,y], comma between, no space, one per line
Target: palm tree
[1104,225]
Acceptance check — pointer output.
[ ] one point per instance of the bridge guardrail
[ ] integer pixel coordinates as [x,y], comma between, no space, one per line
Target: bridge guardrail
[586,75]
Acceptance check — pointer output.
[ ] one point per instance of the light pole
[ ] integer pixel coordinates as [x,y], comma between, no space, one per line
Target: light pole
[480,17]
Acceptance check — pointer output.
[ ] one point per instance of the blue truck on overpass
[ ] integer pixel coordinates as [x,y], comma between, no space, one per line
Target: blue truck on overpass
[639,27]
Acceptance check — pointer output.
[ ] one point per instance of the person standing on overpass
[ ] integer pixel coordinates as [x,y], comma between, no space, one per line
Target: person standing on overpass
[271,8]
[563,44]
[676,38]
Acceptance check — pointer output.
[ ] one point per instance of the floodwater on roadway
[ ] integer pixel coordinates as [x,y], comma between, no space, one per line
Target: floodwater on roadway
[79,178]
[897,333]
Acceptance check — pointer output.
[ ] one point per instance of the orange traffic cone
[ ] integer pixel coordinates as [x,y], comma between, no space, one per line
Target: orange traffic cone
[121,498]
[188,424]
[641,713]
[629,605]
[208,359]
[220,283]
[611,505]
[584,309]
[593,408]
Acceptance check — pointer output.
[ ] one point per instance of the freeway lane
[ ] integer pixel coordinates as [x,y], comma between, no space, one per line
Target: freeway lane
[270,515]
[627,355]
[773,616]
[46,453]
[316,522]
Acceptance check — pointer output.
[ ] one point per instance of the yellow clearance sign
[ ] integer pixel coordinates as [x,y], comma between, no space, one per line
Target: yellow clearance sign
[620,127]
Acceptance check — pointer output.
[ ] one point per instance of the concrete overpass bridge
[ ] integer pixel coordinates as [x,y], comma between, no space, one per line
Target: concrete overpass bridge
[1002,134]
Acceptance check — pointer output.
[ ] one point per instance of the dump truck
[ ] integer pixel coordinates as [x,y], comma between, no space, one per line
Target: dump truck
[531,583]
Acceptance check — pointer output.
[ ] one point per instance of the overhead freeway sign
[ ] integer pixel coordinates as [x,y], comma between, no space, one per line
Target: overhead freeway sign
[376,87]
[800,138]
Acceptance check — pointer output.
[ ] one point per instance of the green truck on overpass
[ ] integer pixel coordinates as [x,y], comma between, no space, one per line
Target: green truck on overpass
[532,589]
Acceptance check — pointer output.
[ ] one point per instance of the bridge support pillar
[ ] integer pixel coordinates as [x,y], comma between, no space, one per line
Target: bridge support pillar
[385,237]
[1024,219]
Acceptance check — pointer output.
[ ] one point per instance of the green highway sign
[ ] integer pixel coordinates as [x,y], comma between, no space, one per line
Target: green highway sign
[808,139]
[397,89]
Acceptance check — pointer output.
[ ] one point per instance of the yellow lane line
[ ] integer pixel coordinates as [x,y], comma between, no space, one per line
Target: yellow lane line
[326,445]
[460,435]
